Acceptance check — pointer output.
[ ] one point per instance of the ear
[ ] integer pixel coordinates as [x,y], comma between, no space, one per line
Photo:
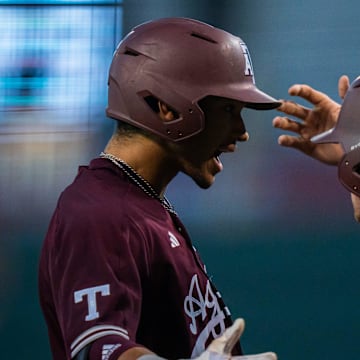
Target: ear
[165,113]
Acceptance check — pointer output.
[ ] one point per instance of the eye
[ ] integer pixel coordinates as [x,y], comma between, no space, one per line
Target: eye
[229,108]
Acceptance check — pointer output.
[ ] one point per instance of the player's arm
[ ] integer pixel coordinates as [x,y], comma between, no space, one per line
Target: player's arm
[309,122]
[98,303]
[131,354]
[135,353]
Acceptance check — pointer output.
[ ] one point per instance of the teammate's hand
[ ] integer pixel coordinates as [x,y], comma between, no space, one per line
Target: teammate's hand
[220,348]
[323,116]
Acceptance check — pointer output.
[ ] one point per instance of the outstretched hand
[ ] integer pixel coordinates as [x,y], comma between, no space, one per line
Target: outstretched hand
[221,348]
[320,118]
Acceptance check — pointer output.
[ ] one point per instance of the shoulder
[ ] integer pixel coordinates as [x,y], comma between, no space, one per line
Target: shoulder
[98,190]
[102,200]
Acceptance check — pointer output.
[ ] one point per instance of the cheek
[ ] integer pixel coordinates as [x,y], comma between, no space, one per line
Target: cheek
[200,154]
[218,134]
[203,146]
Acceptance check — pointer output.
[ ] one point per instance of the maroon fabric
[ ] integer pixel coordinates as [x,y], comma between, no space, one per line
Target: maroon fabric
[116,263]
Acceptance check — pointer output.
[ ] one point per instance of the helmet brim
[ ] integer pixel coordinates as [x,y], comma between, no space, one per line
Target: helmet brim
[259,100]
[254,98]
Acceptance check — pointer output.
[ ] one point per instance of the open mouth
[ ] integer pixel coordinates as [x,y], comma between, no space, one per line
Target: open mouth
[216,158]
[217,154]
[231,147]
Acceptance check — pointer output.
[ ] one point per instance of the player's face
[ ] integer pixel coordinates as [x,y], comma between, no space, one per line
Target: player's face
[224,127]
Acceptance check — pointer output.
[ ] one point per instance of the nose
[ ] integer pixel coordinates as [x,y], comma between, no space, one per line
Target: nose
[244,137]
[240,129]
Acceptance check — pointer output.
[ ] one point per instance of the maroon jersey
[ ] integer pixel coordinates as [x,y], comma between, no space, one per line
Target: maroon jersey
[117,270]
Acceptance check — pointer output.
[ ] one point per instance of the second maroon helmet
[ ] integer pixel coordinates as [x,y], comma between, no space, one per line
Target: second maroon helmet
[179,61]
[347,133]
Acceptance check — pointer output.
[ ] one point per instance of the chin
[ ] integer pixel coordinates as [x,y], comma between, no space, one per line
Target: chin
[203,176]
[204,183]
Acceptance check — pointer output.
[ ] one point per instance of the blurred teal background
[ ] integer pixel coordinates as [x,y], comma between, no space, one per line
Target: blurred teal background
[276,230]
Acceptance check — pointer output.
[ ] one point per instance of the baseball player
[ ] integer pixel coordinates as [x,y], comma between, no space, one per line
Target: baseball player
[329,132]
[119,277]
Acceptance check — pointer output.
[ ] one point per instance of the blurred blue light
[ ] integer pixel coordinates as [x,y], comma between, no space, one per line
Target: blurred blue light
[60,2]
[55,59]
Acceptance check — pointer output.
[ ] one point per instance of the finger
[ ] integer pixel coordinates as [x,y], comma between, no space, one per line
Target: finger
[288,141]
[232,335]
[263,356]
[307,93]
[225,343]
[293,109]
[287,124]
[296,142]
[343,85]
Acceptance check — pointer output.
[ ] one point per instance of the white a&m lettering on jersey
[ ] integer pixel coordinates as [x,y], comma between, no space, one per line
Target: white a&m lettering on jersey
[199,304]
[90,294]
[248,71]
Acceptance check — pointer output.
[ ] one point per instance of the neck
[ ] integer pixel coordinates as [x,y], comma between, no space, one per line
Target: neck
[139,181]
[147,158]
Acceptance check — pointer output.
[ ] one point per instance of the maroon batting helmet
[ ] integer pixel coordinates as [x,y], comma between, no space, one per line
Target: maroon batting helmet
[179,61]
[347,133]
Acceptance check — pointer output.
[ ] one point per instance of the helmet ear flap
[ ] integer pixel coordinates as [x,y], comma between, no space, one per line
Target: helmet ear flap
[165,111]
[188,118]
[349,171]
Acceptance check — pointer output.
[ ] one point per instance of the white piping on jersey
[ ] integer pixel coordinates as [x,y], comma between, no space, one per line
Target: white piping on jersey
[94,333]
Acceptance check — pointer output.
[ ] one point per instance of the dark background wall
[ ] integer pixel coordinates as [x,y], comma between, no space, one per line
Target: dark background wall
[276,230]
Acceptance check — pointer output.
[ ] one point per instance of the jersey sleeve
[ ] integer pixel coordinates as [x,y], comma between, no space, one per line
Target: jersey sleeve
[107,347]
[96,270]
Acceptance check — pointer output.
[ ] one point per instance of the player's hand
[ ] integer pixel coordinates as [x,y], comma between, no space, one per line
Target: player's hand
[309,122]
[220,348]
[356,205]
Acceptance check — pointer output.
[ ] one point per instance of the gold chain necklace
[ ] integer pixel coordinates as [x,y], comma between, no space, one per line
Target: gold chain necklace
[139,181]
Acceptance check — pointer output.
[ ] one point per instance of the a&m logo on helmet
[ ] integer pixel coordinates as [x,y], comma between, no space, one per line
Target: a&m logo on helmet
[248,71]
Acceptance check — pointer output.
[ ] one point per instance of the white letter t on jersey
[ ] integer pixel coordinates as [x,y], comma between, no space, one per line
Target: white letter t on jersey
[104,290]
